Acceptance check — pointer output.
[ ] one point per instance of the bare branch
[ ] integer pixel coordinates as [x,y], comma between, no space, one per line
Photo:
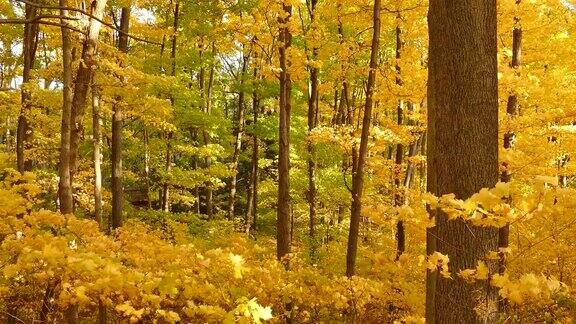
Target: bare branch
[41,6]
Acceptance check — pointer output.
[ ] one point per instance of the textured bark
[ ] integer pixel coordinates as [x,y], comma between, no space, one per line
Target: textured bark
[65,199]
[24,131]
[512,108]
[117,126]
[238,132]
[462,147]
[312,116]
[358,169]
[283,237]
[97,156]
[83,80]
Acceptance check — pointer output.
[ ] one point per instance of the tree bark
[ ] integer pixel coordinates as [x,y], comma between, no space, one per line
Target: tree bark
[169,135]
[117,126]
[147,166]
[462,148]
[97,155]
[206,95]
[283,228]
[83,80]
[398,195]
[253,197]
[358,170]
[24,131]
[511,111]
[238,132]
[65,199]
[312,116]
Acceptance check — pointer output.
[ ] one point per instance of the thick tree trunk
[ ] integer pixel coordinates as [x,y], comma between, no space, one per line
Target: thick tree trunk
[83,80]
[65,199]
[358,170]
[283,228]
[238,132]
[462,148]
[117,126]
[97,156]
[24,131]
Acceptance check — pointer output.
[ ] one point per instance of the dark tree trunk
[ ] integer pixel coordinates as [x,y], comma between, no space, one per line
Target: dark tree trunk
[358,169]
[24,132]
[398,194]
[511,111]
[65,199]
[238,132]
[253,196]
[283,223]
[312,116]
[83,80]
[117,125]
[462,149]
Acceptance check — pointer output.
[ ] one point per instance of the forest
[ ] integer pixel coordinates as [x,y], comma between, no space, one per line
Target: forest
[287,161]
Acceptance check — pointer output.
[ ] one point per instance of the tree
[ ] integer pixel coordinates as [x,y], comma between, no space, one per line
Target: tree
[358,170]
[65,198]
[312,121]
[283,237]
[238,132]
[511,111]
[462,148]
[75,95]
[117,125]
[24,133]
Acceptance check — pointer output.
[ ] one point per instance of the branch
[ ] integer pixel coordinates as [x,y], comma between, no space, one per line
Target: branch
[41,6]
[38,20]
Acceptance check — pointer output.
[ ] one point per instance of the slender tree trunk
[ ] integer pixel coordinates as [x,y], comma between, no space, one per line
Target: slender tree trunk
[147,166]
[511,112]
[358,170]
[238,132]
[117,126]
[83,80]
[169,135]
[283,228]
[97,156]
[312,116]
[65,199]
[462,148]
[398,194]
[206,95]
[24,131]
[253,197]
[168,165]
